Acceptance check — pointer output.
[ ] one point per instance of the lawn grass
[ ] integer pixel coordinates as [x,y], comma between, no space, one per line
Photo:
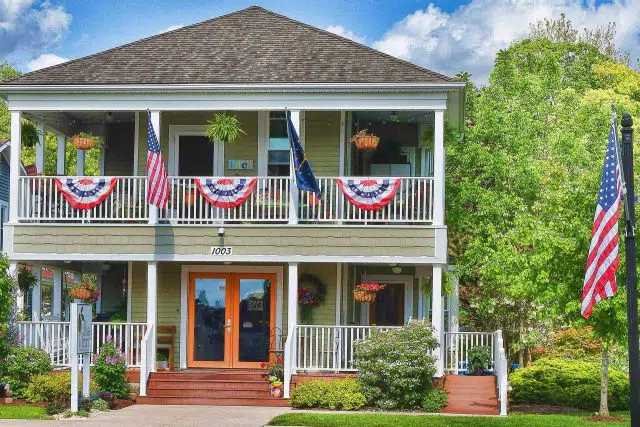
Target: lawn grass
[23,412]
[379,420]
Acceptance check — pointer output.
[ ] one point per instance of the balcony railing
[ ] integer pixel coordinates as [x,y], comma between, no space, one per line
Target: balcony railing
[40,201]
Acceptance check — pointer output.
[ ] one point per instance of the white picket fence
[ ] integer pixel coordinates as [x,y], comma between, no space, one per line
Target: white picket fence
[53,337]
[330,348]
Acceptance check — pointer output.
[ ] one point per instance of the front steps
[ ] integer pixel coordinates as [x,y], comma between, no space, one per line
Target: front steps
[229,387]
[473,395]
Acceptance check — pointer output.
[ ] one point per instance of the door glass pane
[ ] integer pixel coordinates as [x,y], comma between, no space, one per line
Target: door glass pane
[196,156]
[254,320]
[209,319]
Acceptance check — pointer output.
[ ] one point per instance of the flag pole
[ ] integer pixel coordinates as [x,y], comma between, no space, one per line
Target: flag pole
[631,275]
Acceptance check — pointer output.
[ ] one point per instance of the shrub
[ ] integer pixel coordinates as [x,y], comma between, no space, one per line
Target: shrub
[54,408]
[434,400]
[575,343]
[479,359]
[396,367]
[100,405]
[571,383]
[342,394]
[22,364]
[54,388]
[110,370]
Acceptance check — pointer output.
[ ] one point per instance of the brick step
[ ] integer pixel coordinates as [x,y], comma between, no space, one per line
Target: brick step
[208,376]
[179,400]
[471,395]
[199,393]
[207,384]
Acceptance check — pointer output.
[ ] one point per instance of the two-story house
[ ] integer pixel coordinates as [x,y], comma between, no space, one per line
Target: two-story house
[238,307]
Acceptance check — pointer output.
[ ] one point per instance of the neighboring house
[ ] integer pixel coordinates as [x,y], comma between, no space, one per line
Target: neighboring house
[238,307]
[4,186]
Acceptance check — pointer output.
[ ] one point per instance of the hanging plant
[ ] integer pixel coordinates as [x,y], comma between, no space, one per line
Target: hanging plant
[86,141]
[365,141]
[85,291]
[366,291]
[224,127]
[447,284]
[26,279]
[312,292]
[29,134]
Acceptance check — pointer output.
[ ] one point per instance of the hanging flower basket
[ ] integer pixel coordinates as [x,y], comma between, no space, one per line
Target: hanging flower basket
[365,141]
[86,141]
[85,291]
[366,291]
[364,296]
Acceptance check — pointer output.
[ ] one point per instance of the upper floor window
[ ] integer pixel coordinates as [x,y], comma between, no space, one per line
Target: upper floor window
[278,156]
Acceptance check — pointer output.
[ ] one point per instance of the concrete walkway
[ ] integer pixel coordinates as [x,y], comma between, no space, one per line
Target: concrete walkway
[155,415]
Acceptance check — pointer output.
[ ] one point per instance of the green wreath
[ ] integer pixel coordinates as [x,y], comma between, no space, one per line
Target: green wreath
[310,296]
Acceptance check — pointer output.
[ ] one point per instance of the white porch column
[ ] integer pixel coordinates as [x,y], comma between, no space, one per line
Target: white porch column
[61,154]
[56,309]
[152,308]
[153,210]
[79,162]
[292,320]
[293,193]
[436,316]
[14,172]
[438,169]
[35,296]
[40,147]
[338,292]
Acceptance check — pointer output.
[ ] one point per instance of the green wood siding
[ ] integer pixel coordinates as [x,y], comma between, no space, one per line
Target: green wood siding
[322,141]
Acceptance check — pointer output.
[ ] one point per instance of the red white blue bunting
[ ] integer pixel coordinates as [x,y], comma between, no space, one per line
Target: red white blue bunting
[226,192]
[367,193]
[85,193]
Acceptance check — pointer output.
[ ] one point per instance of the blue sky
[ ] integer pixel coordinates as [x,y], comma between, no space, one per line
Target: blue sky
[446,36]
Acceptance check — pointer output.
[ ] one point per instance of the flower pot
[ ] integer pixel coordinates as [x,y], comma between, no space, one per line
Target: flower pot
[162,364]
[81,294]
[276,392]
[364,296]
[367,143]
[82,143]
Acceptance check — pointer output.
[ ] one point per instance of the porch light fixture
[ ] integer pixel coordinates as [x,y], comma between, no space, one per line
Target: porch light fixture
[394,117]
[396,269]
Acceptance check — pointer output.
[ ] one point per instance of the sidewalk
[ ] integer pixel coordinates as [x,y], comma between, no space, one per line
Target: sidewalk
[152,415]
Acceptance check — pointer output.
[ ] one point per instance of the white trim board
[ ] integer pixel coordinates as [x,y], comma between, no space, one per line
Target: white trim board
[407,280]
[184,287]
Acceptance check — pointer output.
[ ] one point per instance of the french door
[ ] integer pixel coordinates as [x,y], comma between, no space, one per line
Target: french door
[230,319]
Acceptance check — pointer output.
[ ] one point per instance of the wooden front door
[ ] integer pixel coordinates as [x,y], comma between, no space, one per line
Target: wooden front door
[230,319]
[388,307]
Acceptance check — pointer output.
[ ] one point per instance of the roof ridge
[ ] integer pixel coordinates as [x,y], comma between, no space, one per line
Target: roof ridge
[359,45]
[135,42]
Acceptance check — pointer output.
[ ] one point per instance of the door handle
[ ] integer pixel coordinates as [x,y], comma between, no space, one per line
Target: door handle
[228,325]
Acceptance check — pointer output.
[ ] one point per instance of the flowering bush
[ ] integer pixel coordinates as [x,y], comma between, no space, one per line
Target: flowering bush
[370,287]
[88,286]
[396,367]
[110,368]
[22,364]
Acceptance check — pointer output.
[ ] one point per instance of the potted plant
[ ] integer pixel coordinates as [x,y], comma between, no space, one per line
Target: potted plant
[224,127]
[366,291]
[26,279]
[276,389]
[86,141]
[162,361]
[85,291]
[479,359]
[29,134]
[365,141]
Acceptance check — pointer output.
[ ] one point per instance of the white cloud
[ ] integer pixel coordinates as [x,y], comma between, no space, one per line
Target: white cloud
[31,28]
[172,27]
[341,31]
[45,60]
[468,38]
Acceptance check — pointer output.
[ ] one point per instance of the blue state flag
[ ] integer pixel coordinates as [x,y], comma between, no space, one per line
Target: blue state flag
[305,178]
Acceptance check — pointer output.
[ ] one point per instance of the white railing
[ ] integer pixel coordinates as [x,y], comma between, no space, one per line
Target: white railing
[413,203]
[268,202]
[53,337]
[146,357]
[40,201]
[501,369]
[330,348]
[458,345]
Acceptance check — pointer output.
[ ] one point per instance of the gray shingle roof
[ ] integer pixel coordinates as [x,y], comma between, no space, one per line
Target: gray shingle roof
[249,46]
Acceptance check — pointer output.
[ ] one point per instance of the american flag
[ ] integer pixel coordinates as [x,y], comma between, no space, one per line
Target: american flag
[602,262]
[157,183]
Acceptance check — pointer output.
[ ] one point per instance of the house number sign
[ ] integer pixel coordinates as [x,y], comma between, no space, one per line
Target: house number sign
[221,250]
